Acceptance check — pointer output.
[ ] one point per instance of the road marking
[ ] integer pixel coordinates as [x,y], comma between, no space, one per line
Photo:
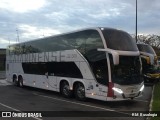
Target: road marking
[17,110]
[9,107]
[141,100]
[4,83]
[92,106]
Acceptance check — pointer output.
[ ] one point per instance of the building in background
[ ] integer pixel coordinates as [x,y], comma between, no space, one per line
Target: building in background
[2,59]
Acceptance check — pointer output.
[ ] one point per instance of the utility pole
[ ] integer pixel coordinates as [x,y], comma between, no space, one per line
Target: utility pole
[17,35]
[136,22]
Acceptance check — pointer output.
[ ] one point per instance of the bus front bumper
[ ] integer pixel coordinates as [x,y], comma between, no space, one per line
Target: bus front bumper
[128,92]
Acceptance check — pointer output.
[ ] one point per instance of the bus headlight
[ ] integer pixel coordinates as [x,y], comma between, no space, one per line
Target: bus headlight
[117,90]
[141,89]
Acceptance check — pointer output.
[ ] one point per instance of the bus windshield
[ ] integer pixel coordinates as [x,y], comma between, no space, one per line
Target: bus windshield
[128,71]
[145,48]
[119,40]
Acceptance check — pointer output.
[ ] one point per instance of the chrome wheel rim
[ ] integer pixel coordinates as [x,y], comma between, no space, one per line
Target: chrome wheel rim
[20,83]
[81,92]
[66,90]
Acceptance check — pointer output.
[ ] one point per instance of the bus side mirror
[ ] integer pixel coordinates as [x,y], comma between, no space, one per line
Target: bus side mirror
[114,54]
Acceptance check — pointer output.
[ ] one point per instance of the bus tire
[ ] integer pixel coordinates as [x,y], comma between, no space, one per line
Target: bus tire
[65,89]
[79,92]
[20,82]
[15,80]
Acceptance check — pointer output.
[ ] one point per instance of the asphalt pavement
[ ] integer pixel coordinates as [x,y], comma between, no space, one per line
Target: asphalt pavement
[53,106]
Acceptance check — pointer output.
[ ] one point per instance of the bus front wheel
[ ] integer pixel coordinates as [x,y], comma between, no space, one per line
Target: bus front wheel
[79,92]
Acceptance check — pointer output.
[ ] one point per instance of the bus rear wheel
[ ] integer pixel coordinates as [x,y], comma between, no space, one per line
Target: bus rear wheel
[15,81]
[79,92]
[65,90]
[20,82]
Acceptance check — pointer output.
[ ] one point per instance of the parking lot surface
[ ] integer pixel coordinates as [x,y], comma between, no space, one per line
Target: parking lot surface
[53,106]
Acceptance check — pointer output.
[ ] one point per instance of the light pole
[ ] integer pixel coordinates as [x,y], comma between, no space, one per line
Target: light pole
[17,35]
[136,21]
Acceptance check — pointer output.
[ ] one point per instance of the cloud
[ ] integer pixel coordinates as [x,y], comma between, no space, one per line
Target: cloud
[57,16]
[102,14]
[38,18]
[32,32]
[4,42]
[22,6]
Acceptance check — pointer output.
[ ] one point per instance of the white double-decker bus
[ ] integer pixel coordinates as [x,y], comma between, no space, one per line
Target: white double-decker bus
[98,63]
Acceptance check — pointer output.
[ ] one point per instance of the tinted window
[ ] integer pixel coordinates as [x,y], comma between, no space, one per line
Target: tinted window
[64,69]
[2,62]
[119,40]
[96,59]
[128,71]
[77,40]
[35,68]
[145,48]
[99,67]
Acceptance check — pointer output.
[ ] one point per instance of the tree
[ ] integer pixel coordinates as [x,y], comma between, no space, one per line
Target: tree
[153,40]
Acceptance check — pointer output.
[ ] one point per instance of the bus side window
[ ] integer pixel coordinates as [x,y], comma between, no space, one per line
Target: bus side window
[96,59]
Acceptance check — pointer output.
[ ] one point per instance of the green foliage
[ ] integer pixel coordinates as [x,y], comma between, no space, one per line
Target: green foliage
[153,40]
[156,100]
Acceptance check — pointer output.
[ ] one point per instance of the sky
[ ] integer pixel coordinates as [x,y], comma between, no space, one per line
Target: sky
[24,20]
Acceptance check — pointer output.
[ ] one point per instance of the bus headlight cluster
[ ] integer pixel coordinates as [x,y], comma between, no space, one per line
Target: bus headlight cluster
[141,89]
[117,90]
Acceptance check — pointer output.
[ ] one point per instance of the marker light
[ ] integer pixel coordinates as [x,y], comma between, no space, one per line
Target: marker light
[34,83]
[148,60]
[102,28]
[71,88]
[117,90]
[141,89]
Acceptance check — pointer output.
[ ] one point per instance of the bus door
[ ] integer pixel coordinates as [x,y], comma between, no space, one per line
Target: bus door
[101,74]
[99,66]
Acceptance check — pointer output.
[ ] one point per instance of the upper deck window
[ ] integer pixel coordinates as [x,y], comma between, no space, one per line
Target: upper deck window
[84,41]
[119,40]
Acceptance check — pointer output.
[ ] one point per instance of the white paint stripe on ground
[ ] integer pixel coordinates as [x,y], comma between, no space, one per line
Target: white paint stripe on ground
[9,107]
[101,108]
[4,82]
[141,100]
[17,110]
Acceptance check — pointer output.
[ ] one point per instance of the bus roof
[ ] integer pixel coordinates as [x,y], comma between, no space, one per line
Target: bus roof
[92,28]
